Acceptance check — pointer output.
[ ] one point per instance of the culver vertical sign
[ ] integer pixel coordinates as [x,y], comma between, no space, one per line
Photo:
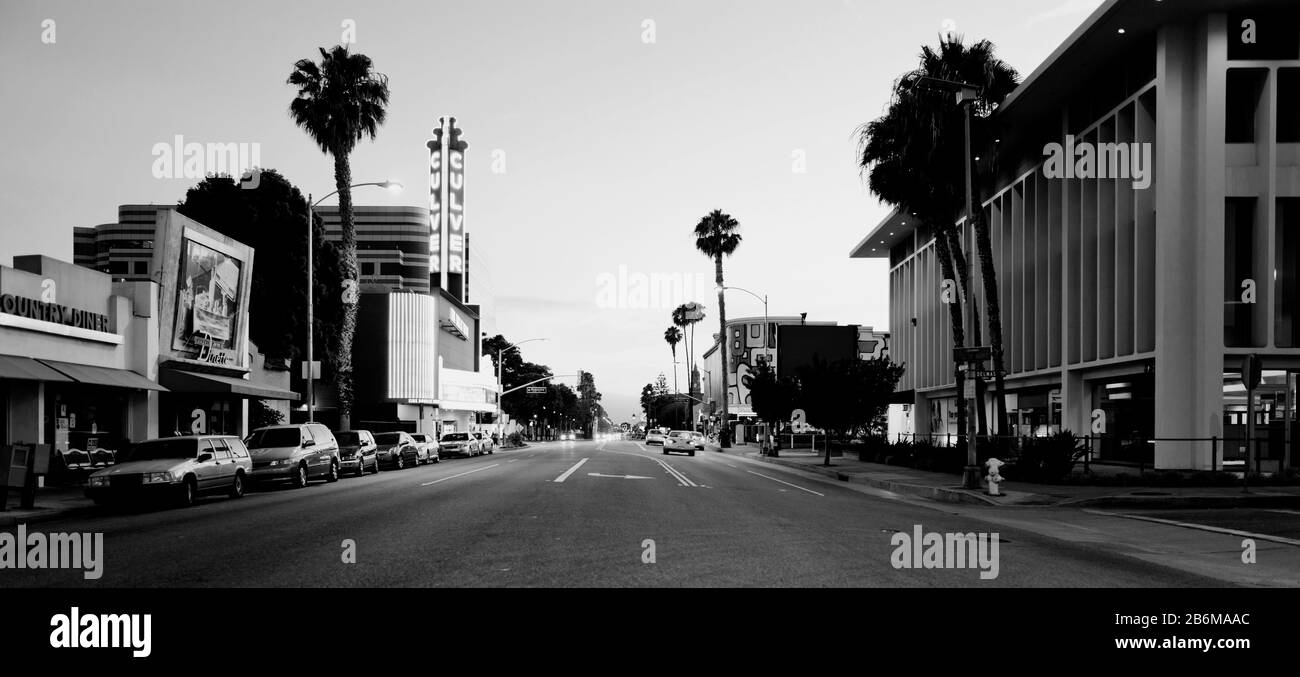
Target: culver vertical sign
[447,208]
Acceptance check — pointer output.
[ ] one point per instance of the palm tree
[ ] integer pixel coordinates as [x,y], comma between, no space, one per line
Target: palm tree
[716,236]
[673,336]
[684,316]
[340,101]
[915,153]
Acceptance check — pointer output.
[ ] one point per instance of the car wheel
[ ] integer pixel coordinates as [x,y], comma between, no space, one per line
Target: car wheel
[189,492]
[334,472]
[437,459]
[237,487]
[375,467]
[692,452]
[399,462]
[300,477]
[665,451]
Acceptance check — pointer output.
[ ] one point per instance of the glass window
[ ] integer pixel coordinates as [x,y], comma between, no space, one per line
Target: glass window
[1288,105]
[275,437]
[237,448]
[1286,272]
[1239,270]
[1245,87]
[174,447]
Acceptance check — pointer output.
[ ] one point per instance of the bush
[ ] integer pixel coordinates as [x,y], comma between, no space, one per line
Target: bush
[516,440]
[1047,459]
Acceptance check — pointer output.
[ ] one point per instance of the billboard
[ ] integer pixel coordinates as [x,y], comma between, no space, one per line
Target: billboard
[205,280]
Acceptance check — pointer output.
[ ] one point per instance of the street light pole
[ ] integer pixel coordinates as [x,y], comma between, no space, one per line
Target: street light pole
[311,283]
[500,375]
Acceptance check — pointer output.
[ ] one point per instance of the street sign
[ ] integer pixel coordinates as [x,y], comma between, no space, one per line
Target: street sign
[972,354]
[985,373]
[536,390]
[315,368]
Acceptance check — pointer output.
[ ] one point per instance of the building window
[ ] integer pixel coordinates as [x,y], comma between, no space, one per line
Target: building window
[1288,105]
[367,269]
[117,268]
[1286,270]
[390,269]
[1245,88]
[1239,277]
[141,267]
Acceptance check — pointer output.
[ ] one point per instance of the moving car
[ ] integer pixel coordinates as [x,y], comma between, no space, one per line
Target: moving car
[485,443]
[698,437]
[299,453]
[177,468]
[357,451]
[680,440]
[654,437]
[397,450]
[458,444]
[427,448]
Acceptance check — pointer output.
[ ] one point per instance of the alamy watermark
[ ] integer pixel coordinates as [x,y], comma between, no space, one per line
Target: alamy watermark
[181,160]
[1087,160]
[36,550]
[934,550]
[627,290]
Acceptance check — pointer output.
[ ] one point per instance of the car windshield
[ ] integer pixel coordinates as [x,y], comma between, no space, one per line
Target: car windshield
[455,437]
[388,438]
[274,437]
[161,449]
[348,437]
[680,433]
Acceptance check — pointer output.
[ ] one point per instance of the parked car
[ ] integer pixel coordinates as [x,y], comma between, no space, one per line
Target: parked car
[397,450]
[458,444]
[176,468]
[427,447]
[485,443]
[654,437]
[298,452]
[698,438]
[680,440]
[357,451]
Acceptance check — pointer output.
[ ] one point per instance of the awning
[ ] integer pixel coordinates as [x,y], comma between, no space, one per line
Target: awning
[194,382]
[104,376]
[27,369]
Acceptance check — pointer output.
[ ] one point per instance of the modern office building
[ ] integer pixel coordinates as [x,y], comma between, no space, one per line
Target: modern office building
[1144,209]
[123,250]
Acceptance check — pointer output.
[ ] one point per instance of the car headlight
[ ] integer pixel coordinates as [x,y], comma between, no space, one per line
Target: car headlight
[99,481]
[157,478]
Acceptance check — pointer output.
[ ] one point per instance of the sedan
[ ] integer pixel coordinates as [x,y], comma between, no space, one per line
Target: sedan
[427,447]
[458,444]
[397,450]
[654,437]
[485,443]
[357,451]
[680,440]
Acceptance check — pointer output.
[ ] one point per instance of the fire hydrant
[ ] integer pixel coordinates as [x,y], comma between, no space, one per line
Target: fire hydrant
[994,475]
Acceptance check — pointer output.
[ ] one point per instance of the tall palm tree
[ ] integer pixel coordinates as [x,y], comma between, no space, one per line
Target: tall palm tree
[716,236]
[673,336]
[686,316]
[976,65]
[340,101]
[915,158]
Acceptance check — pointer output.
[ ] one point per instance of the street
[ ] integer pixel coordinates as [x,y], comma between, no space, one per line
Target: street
[582,514]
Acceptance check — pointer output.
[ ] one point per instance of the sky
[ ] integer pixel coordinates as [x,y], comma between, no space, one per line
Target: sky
[600,132]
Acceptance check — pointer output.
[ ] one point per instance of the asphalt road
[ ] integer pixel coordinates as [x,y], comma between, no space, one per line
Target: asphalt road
[567,514]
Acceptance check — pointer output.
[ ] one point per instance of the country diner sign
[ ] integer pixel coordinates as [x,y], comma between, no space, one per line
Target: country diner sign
[53,312]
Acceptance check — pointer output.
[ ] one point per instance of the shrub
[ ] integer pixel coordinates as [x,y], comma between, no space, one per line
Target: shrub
[1048,459]
[516,440]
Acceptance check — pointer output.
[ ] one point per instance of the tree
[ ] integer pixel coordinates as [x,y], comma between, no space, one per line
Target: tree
[843,395]
[673,336]
[716,236]
[688,315]
[271,219]
[774,399]
[925,147]
[339,102]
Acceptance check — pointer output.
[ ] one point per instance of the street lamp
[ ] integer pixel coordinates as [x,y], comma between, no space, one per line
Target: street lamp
[501,371]
[766,340]
[311,314]
[967,96]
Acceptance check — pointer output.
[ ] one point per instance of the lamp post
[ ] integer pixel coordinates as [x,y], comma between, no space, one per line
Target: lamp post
[966,96]
[311,277]
[766,340]
[500,372]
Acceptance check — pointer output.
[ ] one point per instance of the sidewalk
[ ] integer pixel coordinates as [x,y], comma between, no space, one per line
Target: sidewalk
[51,503]
[945,487]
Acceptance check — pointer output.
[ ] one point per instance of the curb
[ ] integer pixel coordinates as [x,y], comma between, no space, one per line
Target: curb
[7,519]
[1184,502]
[935,493]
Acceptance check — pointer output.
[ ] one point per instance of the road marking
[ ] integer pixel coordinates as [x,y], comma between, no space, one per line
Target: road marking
[1202,527]
[570,471]
[796,486]
[677,475]
[467,472]
[1288,512]
[621,477]
[512,460]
